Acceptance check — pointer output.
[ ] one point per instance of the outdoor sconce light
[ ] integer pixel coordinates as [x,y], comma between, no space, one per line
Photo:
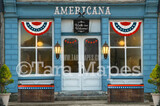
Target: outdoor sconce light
[57,48]
[105,50]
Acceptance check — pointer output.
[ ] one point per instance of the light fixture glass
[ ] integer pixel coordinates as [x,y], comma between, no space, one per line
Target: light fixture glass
[105,50]
[57,48]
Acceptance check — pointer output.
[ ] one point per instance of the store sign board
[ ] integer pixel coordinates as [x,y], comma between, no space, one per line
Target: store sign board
[89,10]
[81,26]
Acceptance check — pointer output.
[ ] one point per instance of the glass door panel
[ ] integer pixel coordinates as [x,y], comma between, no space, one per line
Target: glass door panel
[71,54]
[91,55]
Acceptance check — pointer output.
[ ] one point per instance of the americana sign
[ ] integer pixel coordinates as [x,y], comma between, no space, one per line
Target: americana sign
[36,28]
[125,28]
[81,26]
[89,10]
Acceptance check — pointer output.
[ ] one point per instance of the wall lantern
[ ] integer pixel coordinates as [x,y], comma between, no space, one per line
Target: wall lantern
[57,48]
[105,50]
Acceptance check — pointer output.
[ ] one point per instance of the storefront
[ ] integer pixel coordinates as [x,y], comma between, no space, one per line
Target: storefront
[83,30]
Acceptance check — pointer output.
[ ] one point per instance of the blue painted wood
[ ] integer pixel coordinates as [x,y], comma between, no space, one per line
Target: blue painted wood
[150,42]
[79,34]
[79,3]
[105,62]
[57,62]
[11,50]
[9,6]
[45,10]
[149,54]
[126,77]
[75,17]
[36,78]
[151,8]
[116,11]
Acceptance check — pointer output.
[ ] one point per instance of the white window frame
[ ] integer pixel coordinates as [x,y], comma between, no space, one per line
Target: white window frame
[36,48]
[125,51]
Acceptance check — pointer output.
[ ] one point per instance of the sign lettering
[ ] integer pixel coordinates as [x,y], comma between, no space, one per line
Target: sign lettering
[74,10]
[81,26]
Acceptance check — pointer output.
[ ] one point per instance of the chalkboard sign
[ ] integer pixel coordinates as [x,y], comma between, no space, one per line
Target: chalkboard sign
[81,26]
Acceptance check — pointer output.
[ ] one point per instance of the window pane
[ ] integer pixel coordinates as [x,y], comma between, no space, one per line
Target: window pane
[28,55]
[135,39]
[115,39]
[27,40]
[45,40]
[91,55]
[117,60]
[45,61]
[71,54]
[134,60]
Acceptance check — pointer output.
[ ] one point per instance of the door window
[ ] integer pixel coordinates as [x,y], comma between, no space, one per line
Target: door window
[71,54]
[91,55]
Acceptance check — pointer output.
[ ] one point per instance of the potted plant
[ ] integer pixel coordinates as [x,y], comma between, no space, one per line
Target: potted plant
[5,79]
[155,80]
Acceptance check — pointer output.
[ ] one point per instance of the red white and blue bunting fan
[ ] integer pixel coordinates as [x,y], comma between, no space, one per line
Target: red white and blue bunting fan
[36,28]
[125,28]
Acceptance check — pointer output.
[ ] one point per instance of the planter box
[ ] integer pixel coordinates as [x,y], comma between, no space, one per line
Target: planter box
[36,93]
[125,93]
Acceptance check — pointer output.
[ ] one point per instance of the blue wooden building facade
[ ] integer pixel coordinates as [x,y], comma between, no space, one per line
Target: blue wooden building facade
[21,46]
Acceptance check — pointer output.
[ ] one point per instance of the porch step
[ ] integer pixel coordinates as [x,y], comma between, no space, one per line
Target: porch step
[79,103]
[67,98]
[80,95]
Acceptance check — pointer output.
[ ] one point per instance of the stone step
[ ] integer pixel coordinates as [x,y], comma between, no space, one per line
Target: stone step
[80,98]
[79,103]
[80,95]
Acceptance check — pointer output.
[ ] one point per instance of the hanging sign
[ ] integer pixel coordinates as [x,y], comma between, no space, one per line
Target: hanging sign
[125,28]
[36,28]
[81,26]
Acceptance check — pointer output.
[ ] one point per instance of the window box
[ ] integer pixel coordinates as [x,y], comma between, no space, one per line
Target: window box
[36,93]
[125,93]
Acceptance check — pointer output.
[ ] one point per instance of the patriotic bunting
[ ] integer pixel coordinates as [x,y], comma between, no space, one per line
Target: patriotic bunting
[66,41]
[125,28]
[36,28]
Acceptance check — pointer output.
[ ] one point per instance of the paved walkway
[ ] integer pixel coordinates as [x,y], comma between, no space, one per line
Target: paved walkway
[79,103]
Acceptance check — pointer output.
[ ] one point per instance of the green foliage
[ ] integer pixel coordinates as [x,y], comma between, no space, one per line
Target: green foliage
[155,77]
[156,91]
[5,78]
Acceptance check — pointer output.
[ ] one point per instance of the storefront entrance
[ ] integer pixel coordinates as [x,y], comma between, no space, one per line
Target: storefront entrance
[81,61]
